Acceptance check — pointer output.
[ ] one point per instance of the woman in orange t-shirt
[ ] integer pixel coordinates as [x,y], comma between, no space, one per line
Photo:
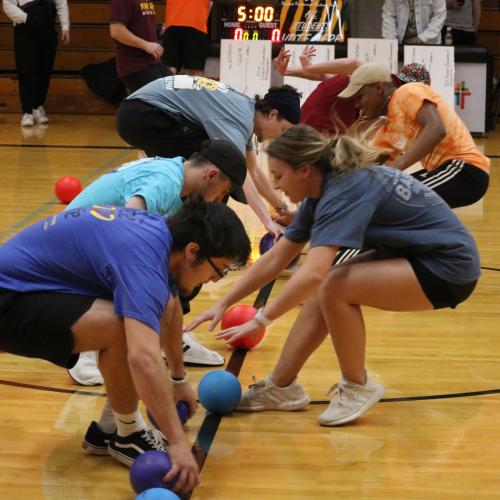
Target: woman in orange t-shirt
[421,126]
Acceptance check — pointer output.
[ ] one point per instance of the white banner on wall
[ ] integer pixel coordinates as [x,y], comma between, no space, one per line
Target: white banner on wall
[470,95]
[374,50]
[324,53]
[440,62]
[245,65]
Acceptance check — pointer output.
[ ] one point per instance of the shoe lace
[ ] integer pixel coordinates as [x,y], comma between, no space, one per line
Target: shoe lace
[343,393]
[192,336]
[256,385]
[155,439]
[333,388]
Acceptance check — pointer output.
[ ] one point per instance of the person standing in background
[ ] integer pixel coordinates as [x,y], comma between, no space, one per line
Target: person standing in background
[35,47]
[463,18]
[185,37]
[414,21]
[138,53]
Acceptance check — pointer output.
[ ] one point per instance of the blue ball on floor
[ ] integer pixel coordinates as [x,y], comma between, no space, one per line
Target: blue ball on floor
[267,242]
[219,391]
[182,411]
[148,470]
[157,494]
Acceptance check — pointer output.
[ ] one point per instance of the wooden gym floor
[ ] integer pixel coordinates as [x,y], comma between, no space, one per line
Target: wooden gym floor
[436,435]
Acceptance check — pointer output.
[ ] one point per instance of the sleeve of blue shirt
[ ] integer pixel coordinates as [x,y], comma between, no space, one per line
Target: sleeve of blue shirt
[341,221]
[139,292]
[160,187]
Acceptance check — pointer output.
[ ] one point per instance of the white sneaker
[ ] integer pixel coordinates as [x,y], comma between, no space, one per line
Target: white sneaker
[350,401]
[85,372]
[40,116]
[27,120]
[196,353]
[266,395]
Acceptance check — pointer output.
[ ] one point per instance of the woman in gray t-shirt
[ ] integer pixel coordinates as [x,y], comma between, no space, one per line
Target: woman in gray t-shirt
[421,258]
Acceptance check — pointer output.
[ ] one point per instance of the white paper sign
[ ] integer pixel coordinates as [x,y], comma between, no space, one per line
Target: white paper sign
[245,65]
[440,62]
[374,50]
[324,53]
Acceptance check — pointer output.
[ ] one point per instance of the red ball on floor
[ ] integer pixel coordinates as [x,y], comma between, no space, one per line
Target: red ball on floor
[236,316]
[67,188]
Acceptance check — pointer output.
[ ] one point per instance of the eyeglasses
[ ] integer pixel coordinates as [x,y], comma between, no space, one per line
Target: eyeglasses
[220,273]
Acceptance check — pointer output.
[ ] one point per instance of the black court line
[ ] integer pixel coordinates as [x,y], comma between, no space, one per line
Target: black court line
[51,389]
[490,268]
[425,398]
[63,146]
[211,422]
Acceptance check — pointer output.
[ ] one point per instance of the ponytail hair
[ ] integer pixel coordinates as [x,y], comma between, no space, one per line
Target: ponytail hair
[303,145]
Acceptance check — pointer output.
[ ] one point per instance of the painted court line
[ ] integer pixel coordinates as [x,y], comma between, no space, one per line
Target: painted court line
[46,206]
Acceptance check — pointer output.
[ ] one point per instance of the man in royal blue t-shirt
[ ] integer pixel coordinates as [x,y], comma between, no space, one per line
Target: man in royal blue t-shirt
[105,278]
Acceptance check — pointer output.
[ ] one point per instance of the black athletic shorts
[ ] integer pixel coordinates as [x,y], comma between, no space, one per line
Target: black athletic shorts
[185,48]
[38,325]
[457,182]
[156,131]
[440,293]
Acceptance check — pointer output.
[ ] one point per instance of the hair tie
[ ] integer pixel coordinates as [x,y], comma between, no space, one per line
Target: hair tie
[331,144]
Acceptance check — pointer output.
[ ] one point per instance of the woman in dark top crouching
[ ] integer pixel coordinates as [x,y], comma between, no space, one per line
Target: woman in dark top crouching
[422,258]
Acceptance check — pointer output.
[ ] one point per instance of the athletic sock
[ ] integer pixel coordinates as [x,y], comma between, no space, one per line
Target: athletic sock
[106,421]
[127,424]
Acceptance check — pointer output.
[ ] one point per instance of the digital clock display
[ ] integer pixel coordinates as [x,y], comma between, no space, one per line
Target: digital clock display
[259,13]
[250,21]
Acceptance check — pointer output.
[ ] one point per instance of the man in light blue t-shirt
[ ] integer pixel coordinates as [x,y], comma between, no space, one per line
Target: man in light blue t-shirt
[159,185]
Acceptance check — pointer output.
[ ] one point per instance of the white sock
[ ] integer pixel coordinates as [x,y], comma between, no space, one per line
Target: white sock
[129,423]
[106,421]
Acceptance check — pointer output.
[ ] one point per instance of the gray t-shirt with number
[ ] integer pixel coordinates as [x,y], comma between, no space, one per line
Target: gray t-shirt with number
[220,110]
[383,208]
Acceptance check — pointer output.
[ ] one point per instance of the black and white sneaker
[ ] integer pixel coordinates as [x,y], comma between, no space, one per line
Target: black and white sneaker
[126,449]
[96,441]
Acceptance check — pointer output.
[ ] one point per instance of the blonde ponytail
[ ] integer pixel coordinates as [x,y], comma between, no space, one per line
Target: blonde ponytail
[303,145]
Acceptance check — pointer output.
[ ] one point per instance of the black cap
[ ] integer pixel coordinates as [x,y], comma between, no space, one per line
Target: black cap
[230,160]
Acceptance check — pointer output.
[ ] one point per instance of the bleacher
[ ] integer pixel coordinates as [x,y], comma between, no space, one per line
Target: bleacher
[90,43]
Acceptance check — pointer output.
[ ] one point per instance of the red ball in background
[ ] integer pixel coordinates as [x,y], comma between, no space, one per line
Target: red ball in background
[67,188]
[236,316]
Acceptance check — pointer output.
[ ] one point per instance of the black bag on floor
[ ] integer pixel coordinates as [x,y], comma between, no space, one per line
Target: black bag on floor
[103,80]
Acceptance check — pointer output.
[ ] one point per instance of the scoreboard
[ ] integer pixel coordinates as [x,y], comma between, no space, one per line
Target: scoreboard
[281,21]
[250,20]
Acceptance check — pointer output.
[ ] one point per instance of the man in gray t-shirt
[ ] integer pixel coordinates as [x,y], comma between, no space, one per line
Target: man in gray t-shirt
[171,116]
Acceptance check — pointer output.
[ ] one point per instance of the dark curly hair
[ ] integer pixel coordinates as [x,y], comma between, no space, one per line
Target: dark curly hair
[214,227]
[264,107]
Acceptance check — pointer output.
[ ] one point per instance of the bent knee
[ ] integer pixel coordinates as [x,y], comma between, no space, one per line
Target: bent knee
[334,285]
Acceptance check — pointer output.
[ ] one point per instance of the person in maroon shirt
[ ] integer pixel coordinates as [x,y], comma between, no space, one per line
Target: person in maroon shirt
[322,110]
[138,53]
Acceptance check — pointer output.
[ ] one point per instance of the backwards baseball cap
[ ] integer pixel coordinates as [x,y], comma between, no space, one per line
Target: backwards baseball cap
[366,74]
[286,101]
[230,160]
[413,72]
